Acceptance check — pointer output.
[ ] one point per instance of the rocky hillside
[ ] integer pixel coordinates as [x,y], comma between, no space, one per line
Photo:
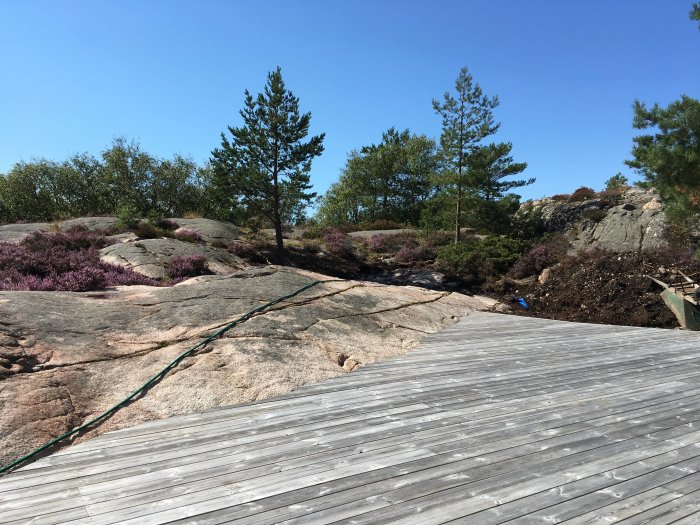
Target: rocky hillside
[65,357]
[629,221]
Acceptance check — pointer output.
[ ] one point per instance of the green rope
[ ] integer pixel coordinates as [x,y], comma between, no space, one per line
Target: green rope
[161,374]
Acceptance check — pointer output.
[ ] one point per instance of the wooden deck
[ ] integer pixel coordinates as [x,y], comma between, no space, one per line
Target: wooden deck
[498,419]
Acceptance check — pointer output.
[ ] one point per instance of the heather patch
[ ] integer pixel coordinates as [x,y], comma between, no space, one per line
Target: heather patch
[68,261]
[188,266]
[188,235]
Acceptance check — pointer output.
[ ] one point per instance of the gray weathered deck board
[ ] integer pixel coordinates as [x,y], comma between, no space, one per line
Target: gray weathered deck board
[497,419]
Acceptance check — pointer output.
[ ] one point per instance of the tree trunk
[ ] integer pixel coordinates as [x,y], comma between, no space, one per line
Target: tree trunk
[460,162]
[276,219]
[458,215]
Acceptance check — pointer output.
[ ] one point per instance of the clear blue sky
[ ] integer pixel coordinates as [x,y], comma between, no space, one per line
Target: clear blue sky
[171,74]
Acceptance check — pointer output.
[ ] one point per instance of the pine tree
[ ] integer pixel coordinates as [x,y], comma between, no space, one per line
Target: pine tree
[266,163]
[466,120]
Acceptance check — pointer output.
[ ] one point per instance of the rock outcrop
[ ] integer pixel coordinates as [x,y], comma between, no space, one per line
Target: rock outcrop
[151,257]
[66,357]
[210,230]
[633,221]
[17,232]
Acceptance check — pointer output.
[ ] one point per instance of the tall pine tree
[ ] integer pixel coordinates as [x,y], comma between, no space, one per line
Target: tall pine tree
[266,163]
[466,120]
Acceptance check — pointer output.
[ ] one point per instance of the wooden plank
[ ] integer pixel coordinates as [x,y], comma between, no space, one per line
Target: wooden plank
[494,419]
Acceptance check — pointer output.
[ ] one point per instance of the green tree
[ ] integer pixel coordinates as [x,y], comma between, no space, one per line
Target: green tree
[669,157]
[385,181]
[695,12]
[86,186]
[466,120]
[128,171]
[172,187]
[616,183]
[490,205]
[266,163]
[31,191]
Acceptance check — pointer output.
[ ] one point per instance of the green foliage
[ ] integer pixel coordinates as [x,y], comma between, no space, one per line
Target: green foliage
[125,176]
[480,260]
[128,217]
[617,182]
[387,181]
[489,207]
[669,159]
[466,120]
[438,211]
[488,166]
[265,166]
[695,12]
[528,224]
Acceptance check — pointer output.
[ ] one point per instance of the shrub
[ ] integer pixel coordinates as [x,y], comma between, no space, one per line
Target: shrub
[478,260]
[561,197]
[422,252]
[311,245]
[243,250]
[218,243]
[313,232]
[438,238]
[583,193]
[594,214]
[76,238]
[392,243]
[166,224]
[617,182]
[338,243]
[127,217]
[145,230]
[188,235]
[610,197]
[188,266]
[66,261]
[541,256]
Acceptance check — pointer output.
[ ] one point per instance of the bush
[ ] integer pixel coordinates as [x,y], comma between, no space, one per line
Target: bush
[188,235]
[392,243]
[186,266]
[561,197]
[166,224]
[338,243]
[313,232]
[145,230]
[438,238]
[583,193]
[594,214]
[422,252]
[67,261]
[479,260]
[541,256]
[243,250]
[617,182]
[311,245]
[76,238]
[610,197]
[127,217]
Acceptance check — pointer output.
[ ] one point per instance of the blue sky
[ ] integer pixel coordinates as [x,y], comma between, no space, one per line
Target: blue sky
[171,74]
